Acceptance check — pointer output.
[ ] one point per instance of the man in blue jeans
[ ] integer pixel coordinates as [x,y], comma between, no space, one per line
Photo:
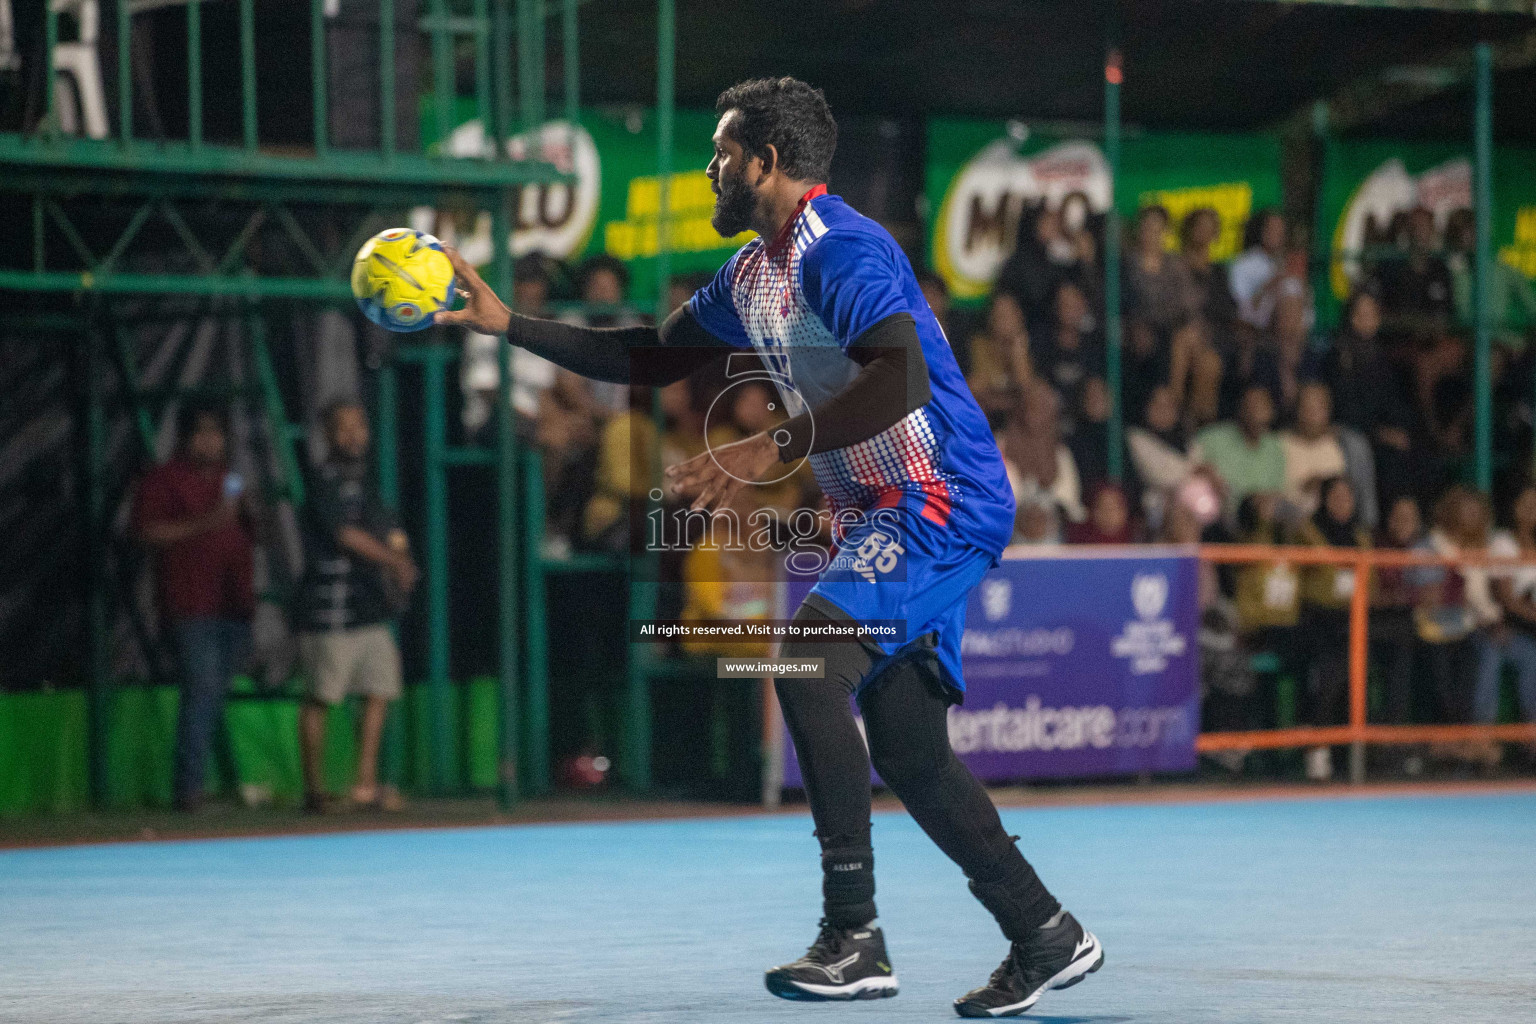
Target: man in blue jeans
[188,512]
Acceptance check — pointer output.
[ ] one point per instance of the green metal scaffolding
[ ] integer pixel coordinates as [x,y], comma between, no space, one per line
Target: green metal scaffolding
[66,180]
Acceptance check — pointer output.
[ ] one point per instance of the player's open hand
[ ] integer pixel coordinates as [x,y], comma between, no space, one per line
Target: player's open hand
[483,312]
[712,478]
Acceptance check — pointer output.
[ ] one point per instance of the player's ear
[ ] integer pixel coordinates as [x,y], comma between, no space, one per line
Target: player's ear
[770,159]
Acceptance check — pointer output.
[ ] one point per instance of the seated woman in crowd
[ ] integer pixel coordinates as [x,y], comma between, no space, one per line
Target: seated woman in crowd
[1089,440]
[1326,593]
[1313,454]
[1037,521]
[1316,449]
[1394,597]
[1514,640]
[1109,518]
[1368,393]
[1036,458]
[999,357]
[1457,604]
[1072,352]
[1159,453]
[1166,338]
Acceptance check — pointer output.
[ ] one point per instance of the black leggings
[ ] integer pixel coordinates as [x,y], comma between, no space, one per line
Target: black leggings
[905,709]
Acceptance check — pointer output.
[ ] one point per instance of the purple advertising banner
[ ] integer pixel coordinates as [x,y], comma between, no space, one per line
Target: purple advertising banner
[1075,665]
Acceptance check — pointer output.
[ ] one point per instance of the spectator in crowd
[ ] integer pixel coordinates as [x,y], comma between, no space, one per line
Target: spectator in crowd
[358,575]
[1182,525]
[1416,290]
[1510,294]
[1158,292]
[936,293]
[1455,603]
[684,434]
[1326,592]
[480,369]
[1165,339]
[1312,451]
[1368,394]
[1443,399]
[1159,454]
[1393,601]
[1213,306]
[1073,350]
[1267,593]
[1109,518]
[1514,640]
[1053,245]
[1246,453]
[603,283]
[624,473]
[1266,598]
[1037,521]
[1036,459]
[552,405]
[1213,302]
[1089,440]
[189,513]
[1259,274]
[1000,363]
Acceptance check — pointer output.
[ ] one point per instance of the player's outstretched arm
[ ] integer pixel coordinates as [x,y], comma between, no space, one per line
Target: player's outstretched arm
[674,351]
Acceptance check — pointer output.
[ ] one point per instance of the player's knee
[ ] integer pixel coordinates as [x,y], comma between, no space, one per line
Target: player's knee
[906,767]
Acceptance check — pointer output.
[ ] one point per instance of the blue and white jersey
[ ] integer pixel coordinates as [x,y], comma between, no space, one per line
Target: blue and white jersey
[799,301]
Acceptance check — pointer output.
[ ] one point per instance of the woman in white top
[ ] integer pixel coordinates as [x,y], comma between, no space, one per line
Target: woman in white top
[1034,454]
[1512,641]
[1159,454]
[1312,450]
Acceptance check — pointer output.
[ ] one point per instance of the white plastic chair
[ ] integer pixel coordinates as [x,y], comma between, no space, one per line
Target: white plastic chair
[77,88]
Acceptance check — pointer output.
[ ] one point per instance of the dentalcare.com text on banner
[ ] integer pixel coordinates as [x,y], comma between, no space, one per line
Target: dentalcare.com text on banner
[1074,667]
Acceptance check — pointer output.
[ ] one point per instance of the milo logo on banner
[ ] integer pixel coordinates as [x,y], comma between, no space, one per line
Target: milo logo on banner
[979,218]
[1372,217]
[555,218]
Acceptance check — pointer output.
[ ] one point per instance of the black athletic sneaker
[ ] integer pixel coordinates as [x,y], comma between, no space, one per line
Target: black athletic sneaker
[843,963]
[1058,957]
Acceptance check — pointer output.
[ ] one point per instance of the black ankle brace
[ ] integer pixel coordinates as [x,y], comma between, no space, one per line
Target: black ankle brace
[848,885]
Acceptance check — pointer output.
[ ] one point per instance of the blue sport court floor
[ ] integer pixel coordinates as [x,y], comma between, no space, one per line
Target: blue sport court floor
[1383,909]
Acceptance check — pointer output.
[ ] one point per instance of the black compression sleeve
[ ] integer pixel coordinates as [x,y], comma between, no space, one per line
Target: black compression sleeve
[671,353]
[892,383]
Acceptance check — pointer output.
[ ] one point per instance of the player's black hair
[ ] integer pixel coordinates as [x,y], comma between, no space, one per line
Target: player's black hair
[788,115]
[193,411]
[1253,231]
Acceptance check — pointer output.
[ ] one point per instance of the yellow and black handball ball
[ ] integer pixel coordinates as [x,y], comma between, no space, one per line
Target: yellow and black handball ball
[400,278]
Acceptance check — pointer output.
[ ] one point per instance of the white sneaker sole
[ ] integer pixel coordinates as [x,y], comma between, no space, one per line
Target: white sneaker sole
[864,988]
[1089,961]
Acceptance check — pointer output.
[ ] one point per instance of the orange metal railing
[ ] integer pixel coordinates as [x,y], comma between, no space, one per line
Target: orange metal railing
[1357,732]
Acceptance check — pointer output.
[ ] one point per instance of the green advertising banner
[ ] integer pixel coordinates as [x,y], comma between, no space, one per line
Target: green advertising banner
[982,175]
[1369,185]
[614,206]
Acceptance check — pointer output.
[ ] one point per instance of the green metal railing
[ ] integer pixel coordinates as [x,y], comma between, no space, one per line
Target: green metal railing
[48,164]
[167,182]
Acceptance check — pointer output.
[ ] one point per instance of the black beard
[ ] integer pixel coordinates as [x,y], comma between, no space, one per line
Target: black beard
[733,207]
